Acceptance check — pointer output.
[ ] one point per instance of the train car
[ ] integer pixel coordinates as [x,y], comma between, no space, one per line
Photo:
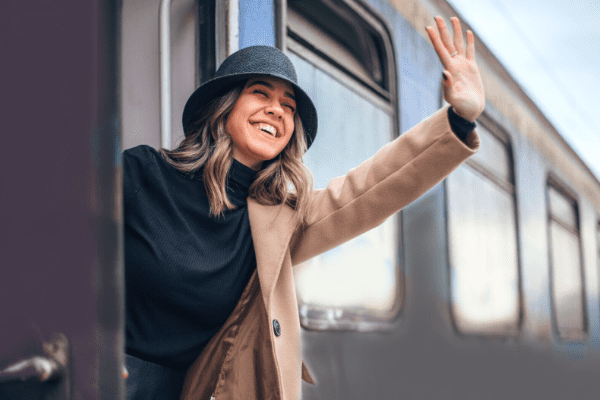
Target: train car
[486,287]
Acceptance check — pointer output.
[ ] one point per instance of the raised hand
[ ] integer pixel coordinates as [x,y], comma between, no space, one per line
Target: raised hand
[462,85]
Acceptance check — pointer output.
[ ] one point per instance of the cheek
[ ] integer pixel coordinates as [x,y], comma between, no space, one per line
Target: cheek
[229,125]
[234,126]
[288,140]
[290,126]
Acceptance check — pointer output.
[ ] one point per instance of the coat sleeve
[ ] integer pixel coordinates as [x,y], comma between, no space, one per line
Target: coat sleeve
[396,175]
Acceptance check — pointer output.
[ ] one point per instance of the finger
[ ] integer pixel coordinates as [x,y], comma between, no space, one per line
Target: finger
[458,39]
[438,46]
[470,46]
[445,35]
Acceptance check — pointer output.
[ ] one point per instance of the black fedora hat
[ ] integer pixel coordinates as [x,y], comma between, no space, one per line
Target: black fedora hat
[243,65]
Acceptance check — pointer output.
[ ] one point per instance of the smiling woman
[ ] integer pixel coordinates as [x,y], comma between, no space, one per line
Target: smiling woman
[213,227]
[233,116]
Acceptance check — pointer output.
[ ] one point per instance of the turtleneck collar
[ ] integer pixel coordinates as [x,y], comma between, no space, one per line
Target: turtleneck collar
[239,180]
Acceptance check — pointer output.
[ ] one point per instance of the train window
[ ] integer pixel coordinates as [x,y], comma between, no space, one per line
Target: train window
[565,262]
[482,240]
[339,59]
[494,157]
[562,209]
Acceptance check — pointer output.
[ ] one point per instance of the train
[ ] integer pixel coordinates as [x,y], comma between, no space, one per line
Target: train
[486,287]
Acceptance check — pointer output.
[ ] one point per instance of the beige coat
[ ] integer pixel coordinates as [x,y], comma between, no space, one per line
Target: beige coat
[245,359]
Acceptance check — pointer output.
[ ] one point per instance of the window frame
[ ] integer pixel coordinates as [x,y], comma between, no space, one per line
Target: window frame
[208,40]
[557,184]
[388,103]
[498,132]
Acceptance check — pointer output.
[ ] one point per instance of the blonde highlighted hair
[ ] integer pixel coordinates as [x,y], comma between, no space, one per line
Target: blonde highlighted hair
[208,146]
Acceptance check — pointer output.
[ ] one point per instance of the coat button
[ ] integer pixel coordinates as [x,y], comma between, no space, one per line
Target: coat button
[276,328]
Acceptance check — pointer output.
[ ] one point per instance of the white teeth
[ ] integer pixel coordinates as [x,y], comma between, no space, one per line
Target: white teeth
[271,130]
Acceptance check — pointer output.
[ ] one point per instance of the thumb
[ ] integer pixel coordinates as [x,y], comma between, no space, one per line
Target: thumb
[447,79]
[447,82]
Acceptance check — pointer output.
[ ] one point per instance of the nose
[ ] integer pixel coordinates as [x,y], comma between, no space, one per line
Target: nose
[275,109]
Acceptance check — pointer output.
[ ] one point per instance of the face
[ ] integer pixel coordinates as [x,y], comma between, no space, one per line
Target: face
[262,120]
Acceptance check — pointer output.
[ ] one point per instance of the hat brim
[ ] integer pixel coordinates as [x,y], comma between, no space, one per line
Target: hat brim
[218,86]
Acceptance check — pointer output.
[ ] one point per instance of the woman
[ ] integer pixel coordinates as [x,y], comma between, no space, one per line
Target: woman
[212,228]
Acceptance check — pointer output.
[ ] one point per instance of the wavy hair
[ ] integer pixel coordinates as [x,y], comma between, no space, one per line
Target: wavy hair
[208,147]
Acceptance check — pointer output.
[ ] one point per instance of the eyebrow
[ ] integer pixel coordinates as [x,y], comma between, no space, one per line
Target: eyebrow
[271,87]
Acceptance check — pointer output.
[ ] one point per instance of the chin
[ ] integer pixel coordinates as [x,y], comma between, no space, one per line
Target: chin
[265,153]
[267,157]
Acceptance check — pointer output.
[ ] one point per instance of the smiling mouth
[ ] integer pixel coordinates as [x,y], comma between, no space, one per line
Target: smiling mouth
[269,129]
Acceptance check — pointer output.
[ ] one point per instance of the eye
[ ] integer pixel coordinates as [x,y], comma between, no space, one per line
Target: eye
[260,91]
[292,108]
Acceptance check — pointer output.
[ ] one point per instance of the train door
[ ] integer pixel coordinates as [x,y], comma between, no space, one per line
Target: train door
[60,254]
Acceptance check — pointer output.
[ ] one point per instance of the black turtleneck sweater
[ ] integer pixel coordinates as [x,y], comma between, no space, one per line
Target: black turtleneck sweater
[184,270]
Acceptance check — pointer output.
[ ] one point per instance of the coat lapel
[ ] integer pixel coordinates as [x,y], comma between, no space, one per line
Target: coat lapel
[272,228]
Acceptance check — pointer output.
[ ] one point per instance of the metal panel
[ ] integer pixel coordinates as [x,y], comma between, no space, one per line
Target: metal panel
[60,217]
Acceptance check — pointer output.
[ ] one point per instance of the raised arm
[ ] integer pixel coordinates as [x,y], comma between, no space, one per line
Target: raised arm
[402,170]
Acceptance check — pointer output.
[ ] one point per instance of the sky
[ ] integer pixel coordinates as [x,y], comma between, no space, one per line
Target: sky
[552,49]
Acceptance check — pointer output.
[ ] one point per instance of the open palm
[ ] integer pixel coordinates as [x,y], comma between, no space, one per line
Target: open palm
[462,85]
